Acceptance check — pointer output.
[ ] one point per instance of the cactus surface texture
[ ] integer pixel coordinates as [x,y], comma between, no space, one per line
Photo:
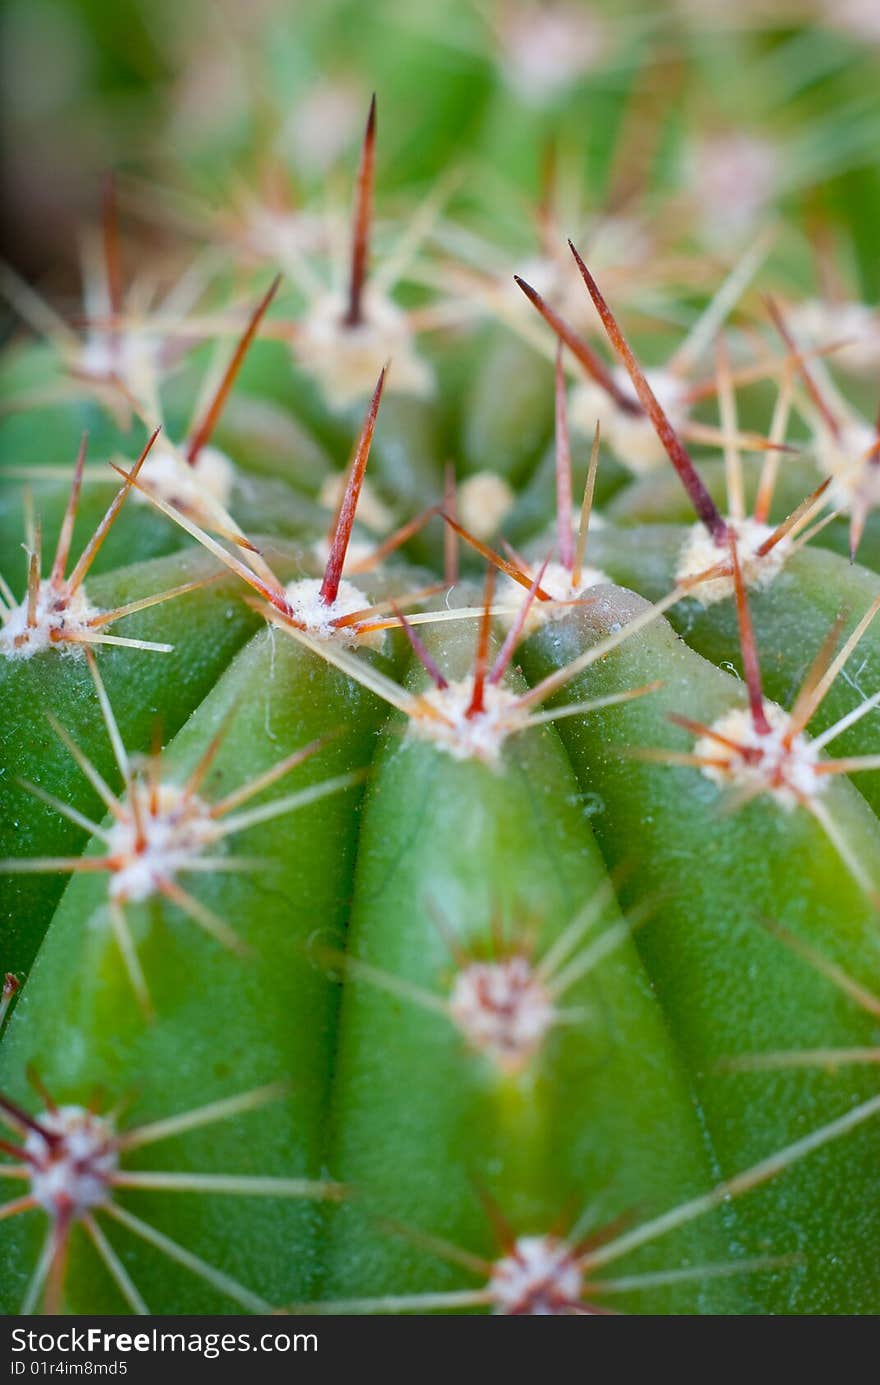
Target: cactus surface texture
[440,677]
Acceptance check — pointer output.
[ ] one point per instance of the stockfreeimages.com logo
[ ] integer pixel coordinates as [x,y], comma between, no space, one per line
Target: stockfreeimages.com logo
[93,1341]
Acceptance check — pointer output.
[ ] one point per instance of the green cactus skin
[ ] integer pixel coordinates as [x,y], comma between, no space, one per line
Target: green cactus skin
[794,615]
[146,688]
[690,965]
[584,1020]
[626,1096]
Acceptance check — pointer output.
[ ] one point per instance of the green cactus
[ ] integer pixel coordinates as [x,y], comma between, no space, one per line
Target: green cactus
[421,890]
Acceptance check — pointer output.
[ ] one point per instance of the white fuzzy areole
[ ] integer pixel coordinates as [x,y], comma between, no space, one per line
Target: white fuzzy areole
[557,583]
[105,357]
[503,1010]
[71,1170]
[480,737]
[786,773]
[200,490]
[98,356]
[733,177]
[547,47]
[539,1277]
[860,18]
[838,455]
[484,501]
[700,552]
[631,436]
[321,126]
[283,237]
[816,322]
[305,606]
[346,361]
[846,458]
[60,619]
[174,836]
[857,489]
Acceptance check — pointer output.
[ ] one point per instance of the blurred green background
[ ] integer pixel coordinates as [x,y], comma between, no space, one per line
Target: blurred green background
[727,104]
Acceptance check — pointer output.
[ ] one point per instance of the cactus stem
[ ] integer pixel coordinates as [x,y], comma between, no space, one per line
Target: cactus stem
[815,1057]
[738,1186]
[843,849]
[72,1160]
[693,483]
[363,213]
[263,581]
[161,830]
[556,680]
[328,609]
[762,551]
[55,609]
[864,998]
[223,1283]
[202,432]
[441,715]
[595,704]
[768,752]
[550,1274]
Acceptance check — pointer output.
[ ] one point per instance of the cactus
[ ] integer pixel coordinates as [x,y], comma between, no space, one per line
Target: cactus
[429,885]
